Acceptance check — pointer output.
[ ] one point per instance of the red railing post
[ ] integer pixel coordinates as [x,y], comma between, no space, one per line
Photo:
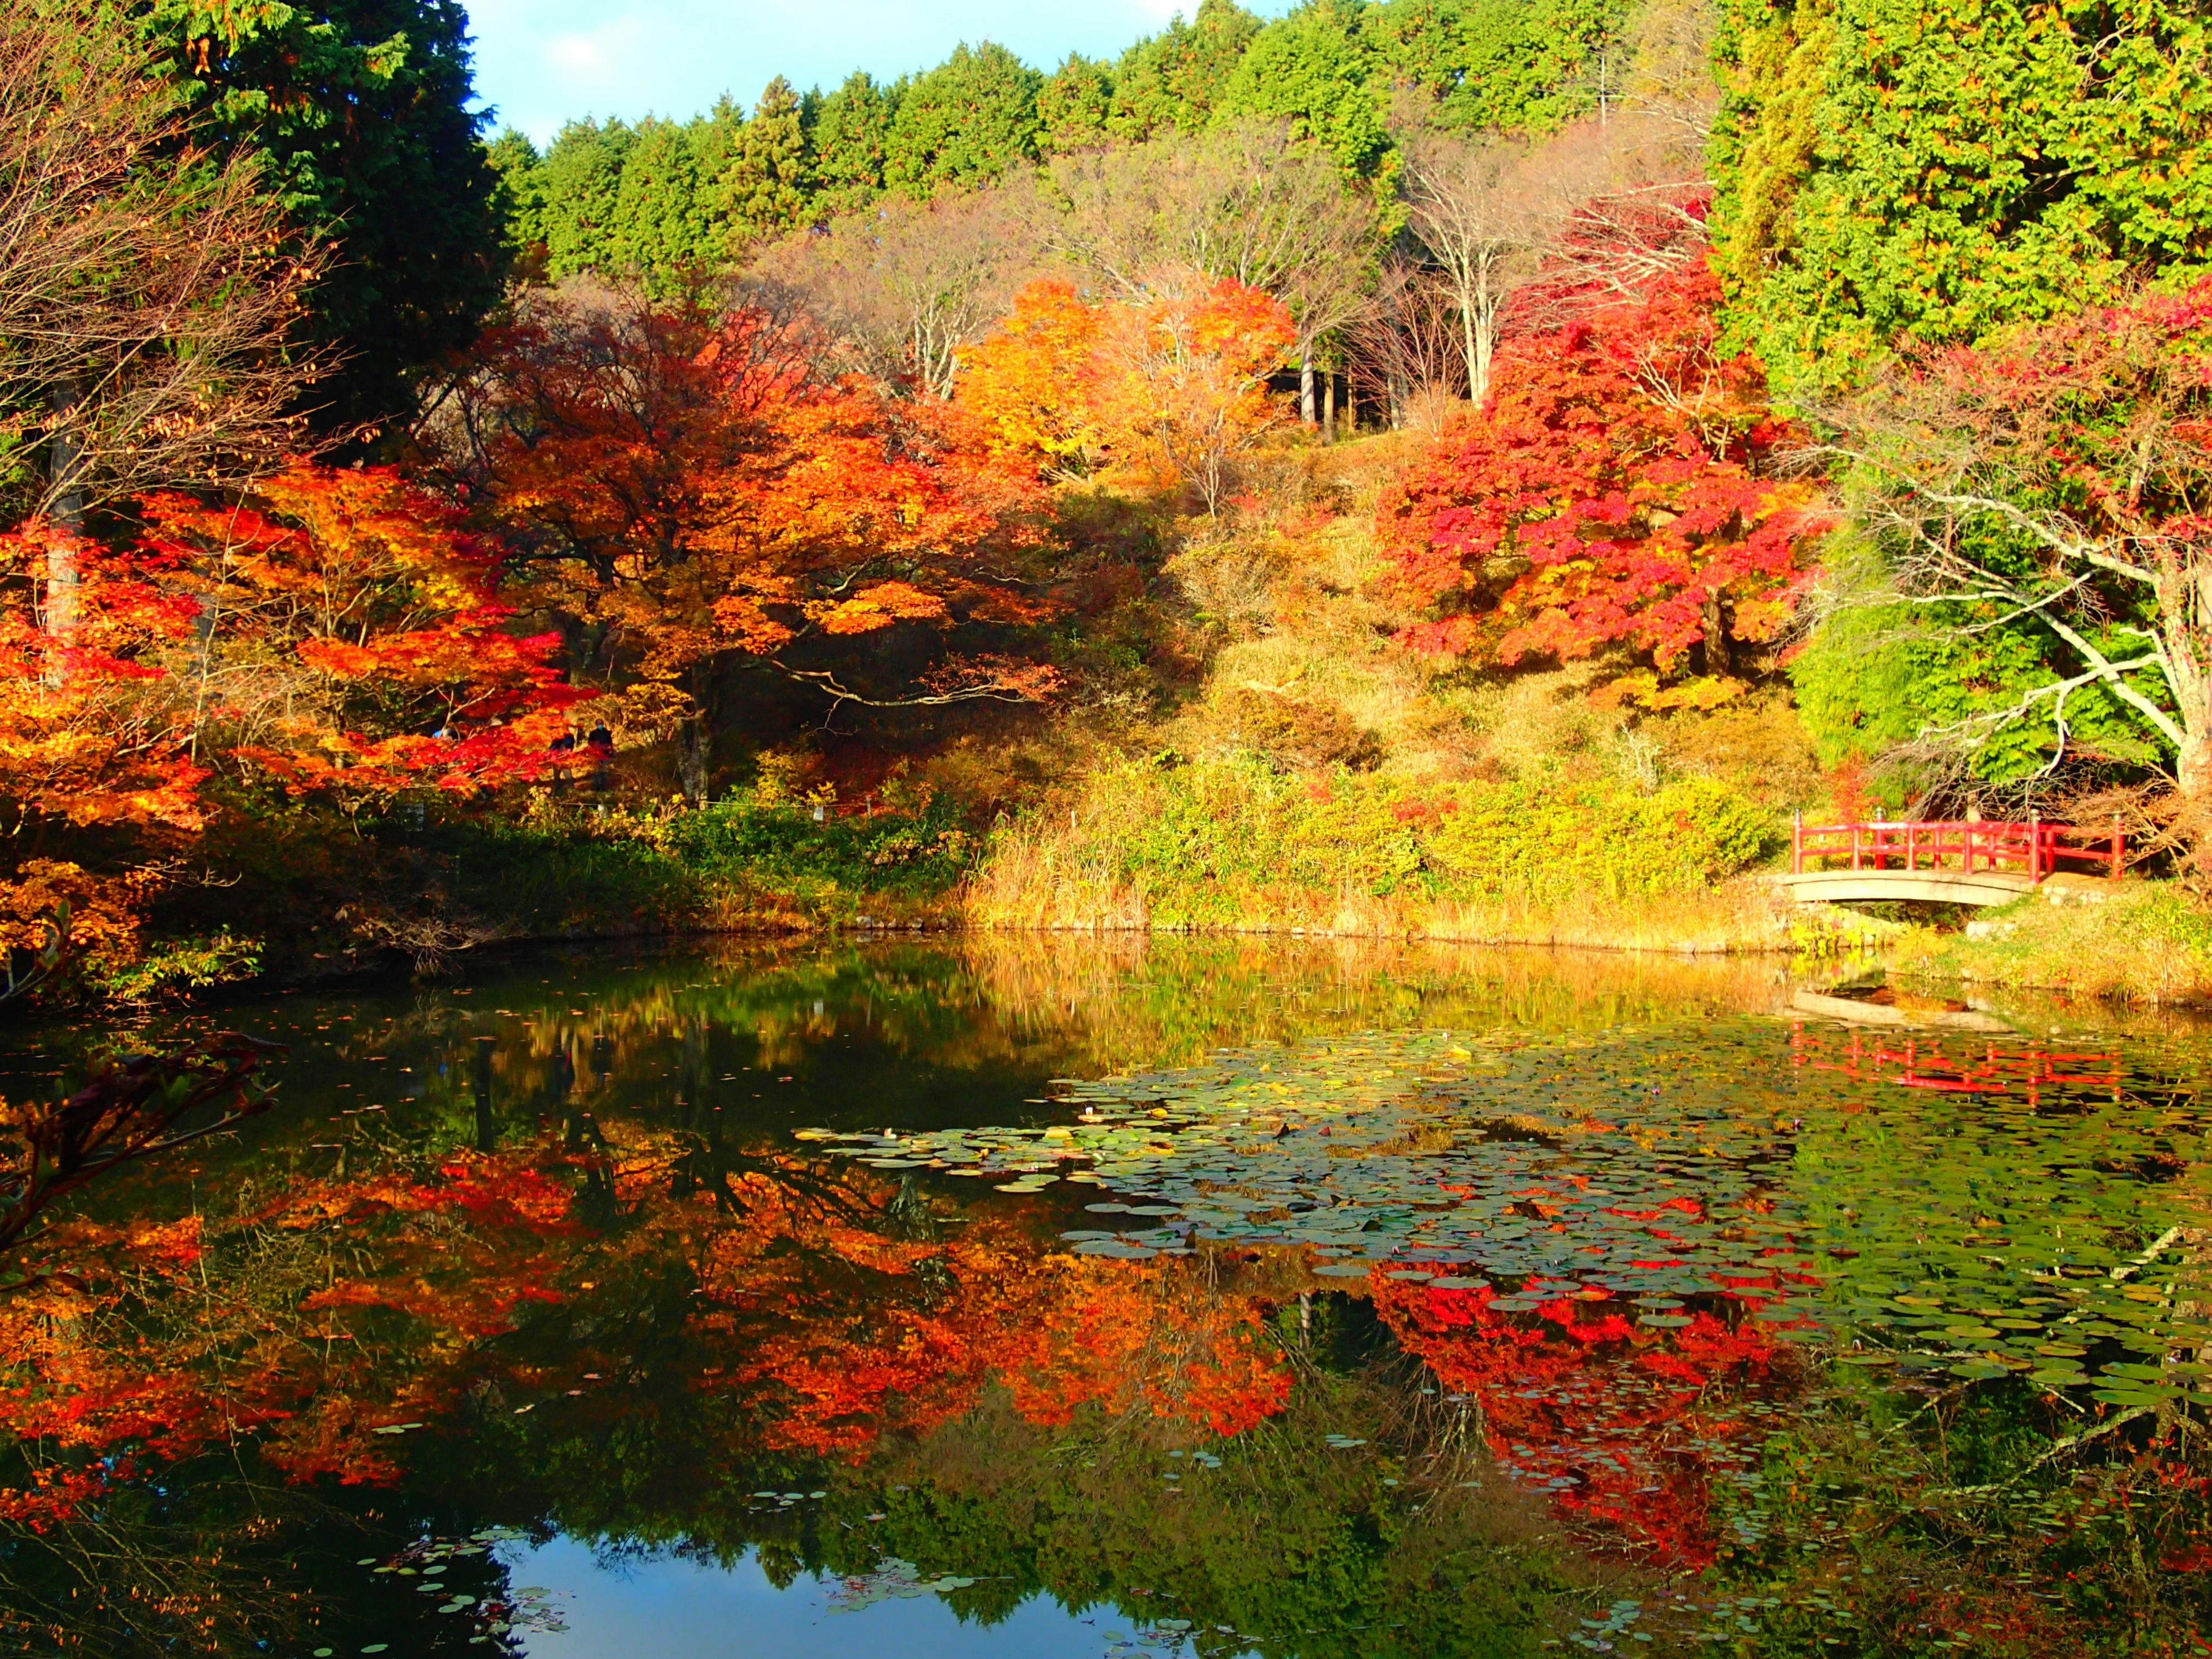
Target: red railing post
[1911,848]
[1798,844]
[2119,848]
[1855,846]
[2035,848]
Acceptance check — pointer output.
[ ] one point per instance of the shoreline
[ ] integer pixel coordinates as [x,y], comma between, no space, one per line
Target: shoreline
[1916,959]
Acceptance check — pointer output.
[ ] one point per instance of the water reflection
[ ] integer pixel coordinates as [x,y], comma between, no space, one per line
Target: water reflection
[1467,1303]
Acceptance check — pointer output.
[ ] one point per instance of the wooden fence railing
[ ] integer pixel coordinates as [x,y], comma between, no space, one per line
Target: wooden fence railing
[2035,849]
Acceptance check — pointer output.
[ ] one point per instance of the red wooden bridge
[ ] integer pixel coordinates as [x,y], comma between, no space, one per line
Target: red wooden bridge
[1968,861]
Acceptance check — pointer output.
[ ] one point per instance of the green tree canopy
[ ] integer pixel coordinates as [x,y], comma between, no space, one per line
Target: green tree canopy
[520,196]
[578,179]
[1945,169]
[361,107]
[851,142]
[1316,67]
[1073,103]
[968,121]
[663,222]
[1173,78]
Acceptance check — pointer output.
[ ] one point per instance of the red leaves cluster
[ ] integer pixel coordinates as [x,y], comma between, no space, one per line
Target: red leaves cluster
[1058,1331]
[1616,490]
[1587,1397]
[688,485]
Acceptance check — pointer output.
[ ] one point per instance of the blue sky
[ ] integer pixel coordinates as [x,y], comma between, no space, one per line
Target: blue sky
[540,62]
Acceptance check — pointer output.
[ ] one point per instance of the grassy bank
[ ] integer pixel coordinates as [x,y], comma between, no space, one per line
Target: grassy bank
[1235,845]
[2148,942]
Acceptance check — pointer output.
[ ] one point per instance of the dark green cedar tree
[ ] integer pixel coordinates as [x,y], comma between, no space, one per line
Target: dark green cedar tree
[664,223]
[1072,105]
[362,110]
[1172,80]
[767,188]
[580,180]
[520,197]
[851,145]
[1315,68]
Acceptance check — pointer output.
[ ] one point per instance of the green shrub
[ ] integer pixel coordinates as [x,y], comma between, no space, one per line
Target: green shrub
[919,854]
[739,862]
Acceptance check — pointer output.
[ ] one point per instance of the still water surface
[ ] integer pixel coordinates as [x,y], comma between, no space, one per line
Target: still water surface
[1074,1298]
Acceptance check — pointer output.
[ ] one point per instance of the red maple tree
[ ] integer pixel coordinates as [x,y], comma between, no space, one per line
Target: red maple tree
[354,643]
[1617,489]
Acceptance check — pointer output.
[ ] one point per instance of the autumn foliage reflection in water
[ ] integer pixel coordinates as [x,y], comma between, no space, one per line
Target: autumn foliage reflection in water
[560,1281]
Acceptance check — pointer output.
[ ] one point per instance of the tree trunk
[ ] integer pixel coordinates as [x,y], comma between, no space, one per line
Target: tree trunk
[1720,654]
[65,525]
[694,741]
[1328,408]
[1482,343]
[695,746]
[2193,769]
[1478,370]
[1306,388]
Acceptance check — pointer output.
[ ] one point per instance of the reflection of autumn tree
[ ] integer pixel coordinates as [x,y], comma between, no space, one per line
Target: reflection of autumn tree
[983,1305]
[177,1393]
[1635,1425]
[315,1313]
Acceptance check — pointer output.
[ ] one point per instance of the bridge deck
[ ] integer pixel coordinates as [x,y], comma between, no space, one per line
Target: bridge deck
[1932,886]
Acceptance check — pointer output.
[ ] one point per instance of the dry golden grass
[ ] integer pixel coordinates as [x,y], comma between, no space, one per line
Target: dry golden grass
[1051,876]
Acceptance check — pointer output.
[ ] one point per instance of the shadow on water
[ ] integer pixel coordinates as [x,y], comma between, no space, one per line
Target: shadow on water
[1072,1296]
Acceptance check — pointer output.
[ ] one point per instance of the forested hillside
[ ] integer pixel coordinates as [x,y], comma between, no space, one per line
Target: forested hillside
[1450,466]
[666,196]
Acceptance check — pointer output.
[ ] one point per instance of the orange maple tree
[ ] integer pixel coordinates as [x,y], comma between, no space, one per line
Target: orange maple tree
[685,489]
[1167,387]
[351,640]
[92,742]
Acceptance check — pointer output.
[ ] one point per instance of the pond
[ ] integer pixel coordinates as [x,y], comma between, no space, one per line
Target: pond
[1126,1298]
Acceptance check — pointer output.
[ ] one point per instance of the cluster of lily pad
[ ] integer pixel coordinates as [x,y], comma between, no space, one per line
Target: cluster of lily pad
[2021,1222]
[893,1579]
[528,1607]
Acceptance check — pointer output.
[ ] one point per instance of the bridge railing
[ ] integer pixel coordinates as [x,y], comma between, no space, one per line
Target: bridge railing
[2035,849]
